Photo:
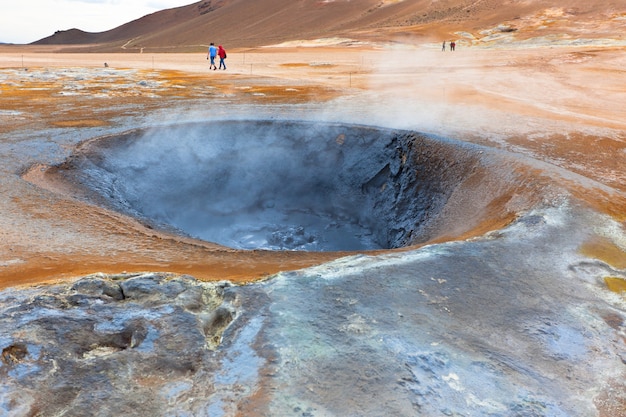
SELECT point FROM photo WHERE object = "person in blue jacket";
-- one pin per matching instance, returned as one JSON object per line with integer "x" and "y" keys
{"x": 211, "y": 55}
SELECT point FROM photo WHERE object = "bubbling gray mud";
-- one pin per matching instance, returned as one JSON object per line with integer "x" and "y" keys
{"x": 279, "y": 185}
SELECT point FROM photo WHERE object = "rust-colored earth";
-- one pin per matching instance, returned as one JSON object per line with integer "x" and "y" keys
{"x": 558, "y": 104}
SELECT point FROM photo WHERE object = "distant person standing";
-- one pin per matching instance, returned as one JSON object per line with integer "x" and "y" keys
{"x": 211, "y": 55}
{"x": 222, "y": 54}
{"x": 452, "y": 45}
{"x": 443, "y": 47}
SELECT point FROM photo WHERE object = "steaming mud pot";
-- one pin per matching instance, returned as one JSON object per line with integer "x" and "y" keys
{"x": 298, "y": 185}
{"x": 483, "y": 303}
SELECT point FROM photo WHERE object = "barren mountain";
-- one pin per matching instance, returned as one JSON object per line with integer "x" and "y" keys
{"x": 253, "y": 23}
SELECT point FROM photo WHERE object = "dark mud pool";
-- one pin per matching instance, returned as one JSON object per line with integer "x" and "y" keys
{"x": 292, "y": 185}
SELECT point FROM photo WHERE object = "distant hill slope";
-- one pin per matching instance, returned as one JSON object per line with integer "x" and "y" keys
{"x": 253, "y": 23}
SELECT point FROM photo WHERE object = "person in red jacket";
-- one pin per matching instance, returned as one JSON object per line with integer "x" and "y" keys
{"x": 222, "y": 54}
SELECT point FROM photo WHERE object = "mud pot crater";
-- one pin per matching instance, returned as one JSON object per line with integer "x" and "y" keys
{"x": 289, "y": 185}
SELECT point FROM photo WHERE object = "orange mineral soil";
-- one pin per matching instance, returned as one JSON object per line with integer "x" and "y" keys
{"x": 558, "y": 104}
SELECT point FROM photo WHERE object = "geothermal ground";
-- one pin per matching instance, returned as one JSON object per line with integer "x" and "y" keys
{"x": 317, "y": 231}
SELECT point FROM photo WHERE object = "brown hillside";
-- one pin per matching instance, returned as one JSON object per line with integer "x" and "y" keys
{"x": 253, "y": 23}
